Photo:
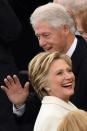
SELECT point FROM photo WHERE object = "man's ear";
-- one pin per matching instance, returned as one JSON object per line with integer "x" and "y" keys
{"x": 66, "y": 29}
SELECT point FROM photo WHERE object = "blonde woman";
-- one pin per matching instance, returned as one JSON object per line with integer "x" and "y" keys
{"x": 52, "y": 78}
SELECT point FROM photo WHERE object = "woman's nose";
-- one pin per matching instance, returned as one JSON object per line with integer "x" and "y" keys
{"x": 68, "y": 75}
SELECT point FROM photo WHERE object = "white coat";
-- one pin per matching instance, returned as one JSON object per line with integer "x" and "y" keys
{"x": 51, "y": 113}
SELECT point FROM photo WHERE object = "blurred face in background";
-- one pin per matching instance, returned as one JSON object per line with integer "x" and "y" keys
{"x": 80, "y": 27}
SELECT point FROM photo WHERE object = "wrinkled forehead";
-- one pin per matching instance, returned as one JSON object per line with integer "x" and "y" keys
{"x": 43, "y": 26}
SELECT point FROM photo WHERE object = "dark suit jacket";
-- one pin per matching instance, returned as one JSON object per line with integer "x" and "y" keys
{"x": 26, "y": 122}
{"x": 10, "y": 29}
{"x": 79, "y": 60}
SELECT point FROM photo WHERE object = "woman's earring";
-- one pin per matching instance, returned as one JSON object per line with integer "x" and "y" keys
{"x": 48, "y": 89}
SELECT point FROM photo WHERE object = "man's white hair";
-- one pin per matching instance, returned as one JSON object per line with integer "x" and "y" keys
{"x": 54, "y": 14}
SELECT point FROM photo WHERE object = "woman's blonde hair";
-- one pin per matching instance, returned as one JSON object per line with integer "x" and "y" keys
{"x": 38, "y": 69}
{"x": 74, "y": 121}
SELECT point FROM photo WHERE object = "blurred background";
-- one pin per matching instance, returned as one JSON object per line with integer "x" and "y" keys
{"x": 27, "y": 44}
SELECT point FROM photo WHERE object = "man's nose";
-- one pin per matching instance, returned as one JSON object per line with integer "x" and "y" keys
{"x": 42, "y": 42}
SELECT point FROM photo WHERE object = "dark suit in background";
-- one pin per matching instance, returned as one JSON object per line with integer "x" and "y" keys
{"x": 28, "y": 42}
{"x": 10, "y": 29}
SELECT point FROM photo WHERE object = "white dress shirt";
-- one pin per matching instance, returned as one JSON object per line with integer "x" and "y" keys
{"x": 72, "y": 48}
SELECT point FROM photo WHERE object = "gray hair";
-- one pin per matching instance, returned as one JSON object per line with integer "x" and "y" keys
{"x": 54, "y": 14}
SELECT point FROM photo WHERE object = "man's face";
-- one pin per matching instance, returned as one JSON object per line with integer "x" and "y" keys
{"x": 50, "y": 39}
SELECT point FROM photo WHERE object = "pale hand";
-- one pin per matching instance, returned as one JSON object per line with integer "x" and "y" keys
{"x": 14, "y": 90}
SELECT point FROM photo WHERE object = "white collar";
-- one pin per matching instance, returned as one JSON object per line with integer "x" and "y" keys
{"x": 57, "y": 101}
{"x": 72, "y": 48}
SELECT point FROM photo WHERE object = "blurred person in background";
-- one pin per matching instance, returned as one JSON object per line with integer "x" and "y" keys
{"x": 74, "y": 121}
{"x": 77, "y": 9}
{"x": 71, "y": 5}
{"x": 80, "y": 17}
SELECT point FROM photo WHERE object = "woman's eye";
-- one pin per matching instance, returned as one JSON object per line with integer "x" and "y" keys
{"x": 69, "y": 70}
{"x": 59, "y": 73}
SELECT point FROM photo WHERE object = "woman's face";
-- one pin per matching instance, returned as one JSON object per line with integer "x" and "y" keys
{"x": 60, "y": 80}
